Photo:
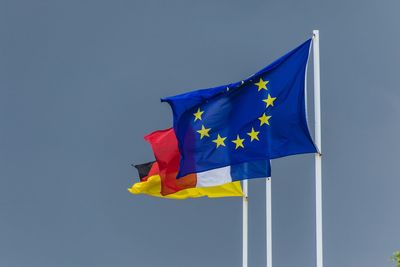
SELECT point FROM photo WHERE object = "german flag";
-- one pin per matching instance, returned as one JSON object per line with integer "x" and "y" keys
{"x": 150, "y": 184}
{"x": 158, "y": 178}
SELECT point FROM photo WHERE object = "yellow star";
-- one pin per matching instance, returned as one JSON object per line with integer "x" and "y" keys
{"x": 238, "y": 142}
{"x": 253, "y": 135}
{"x": 219, "y": 141}
{"x": 269, "y": 101}
{"x": 204, "y": 132}
{"x": 197, "y": 115}
{"x": 264, "y": 119}
{"x": 262, "y": 84}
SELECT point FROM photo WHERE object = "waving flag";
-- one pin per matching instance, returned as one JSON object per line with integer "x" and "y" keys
{"x": 218, "y": 182}
{"x": 260, "y": 118}
{"x": 150, "y": 184}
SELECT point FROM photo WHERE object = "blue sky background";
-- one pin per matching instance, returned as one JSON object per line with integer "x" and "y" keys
{"x": 80, "y": 83}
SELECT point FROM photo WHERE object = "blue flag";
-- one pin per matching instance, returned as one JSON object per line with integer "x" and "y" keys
{"x": 260, "y": 118}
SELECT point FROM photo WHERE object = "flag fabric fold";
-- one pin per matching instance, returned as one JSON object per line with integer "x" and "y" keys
{"x": 260, "y": 118}
{"x": 150, "y": 184}
{"x": 218, "y": 182}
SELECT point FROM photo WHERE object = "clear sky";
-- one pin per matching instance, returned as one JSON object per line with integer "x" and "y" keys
{"x": 80, "y": 83}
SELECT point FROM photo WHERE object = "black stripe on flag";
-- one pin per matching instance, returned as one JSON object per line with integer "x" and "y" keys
{"x": 144, "y": 169}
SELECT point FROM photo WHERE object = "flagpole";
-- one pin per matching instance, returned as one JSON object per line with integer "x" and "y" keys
{"x": 318, "y": 156}
{"x": 245, "y": 224}
{"x": 268, "y": 213}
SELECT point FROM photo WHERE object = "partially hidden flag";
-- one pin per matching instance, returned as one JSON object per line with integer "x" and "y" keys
{"x": 150, "y": 184}
{"x": 219, "y": 182}
{"x": 260, "y": 118}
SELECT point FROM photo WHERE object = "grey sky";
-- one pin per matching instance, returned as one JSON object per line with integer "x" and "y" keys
{"x": 80, "y": 83}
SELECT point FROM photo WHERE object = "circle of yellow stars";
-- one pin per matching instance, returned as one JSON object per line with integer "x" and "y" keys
{"x": 253, "y": 134}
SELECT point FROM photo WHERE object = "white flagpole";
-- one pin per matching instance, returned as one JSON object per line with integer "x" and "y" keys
{"x": 268, "y": 207}
{"x": 318, "y": 158}
{"x": 245, "y": 224}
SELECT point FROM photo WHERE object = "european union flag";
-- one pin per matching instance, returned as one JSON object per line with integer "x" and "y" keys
{"x": 260, "y": 118}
